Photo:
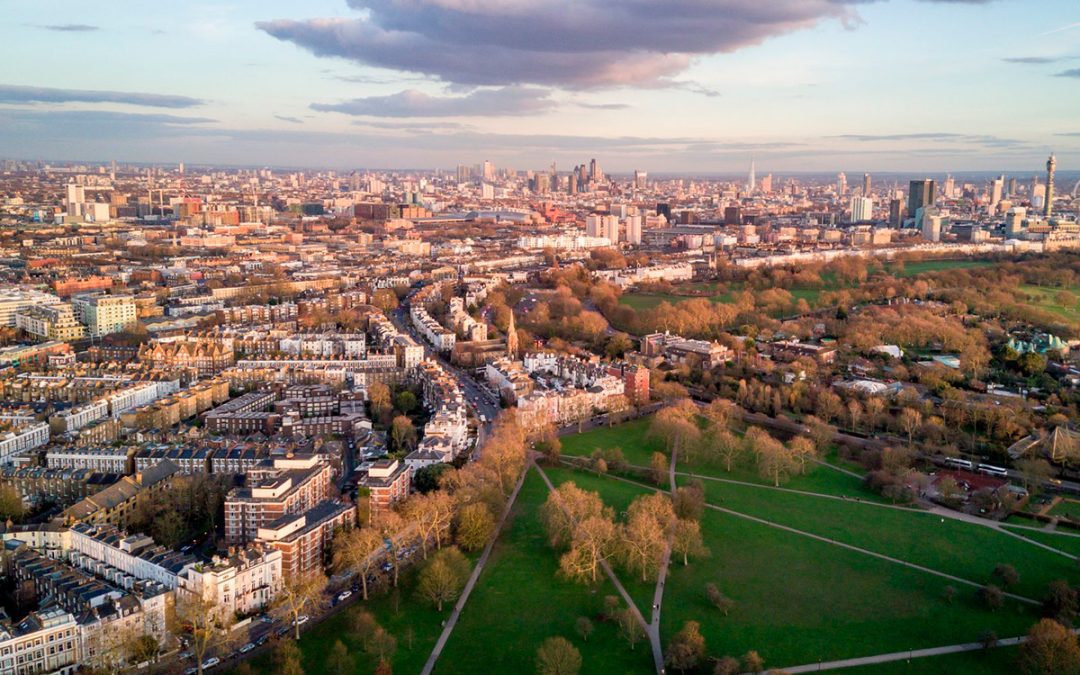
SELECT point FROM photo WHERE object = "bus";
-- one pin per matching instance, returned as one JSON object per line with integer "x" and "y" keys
{"x": 959, "y": 463}
{"x": 995, "y": 471}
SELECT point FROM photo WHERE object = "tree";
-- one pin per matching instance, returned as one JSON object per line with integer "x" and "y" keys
{"x": 558, "y": 657}
{"x": 299, "y": 594}
{"x": 475, "y": 526}
{"x": 405, "y": 401}
{"x": 379, "y": 396}
{"x": 687, "y": 649}
{"x": 718, "y": 599}
{"x": 910, "y": 421}
{"x": 382, "y": 645}
{"x": 427, "y": 478}
{"x": 354, "y": 551}
{"x": 442, "y": 579}
{"x": 385, "y": 299}
{"x": 752, "y": 662}
{"x": 1034, "y": 472}
{"x": 340, "y": 661}
{"x": 432, "y": 515}
{"x": 820, "y": 432}
{"x": 1061, "y": 602}
{"x": 1006, "y": 575}
{"x": 802, "y": 450}
{"x": 992, "y": 597}
{"x": 630, "y": 628}
{"x": 403, "y": 434}
{"x": 1050, "y": 648}
{"x": 642, "y": 539}
{"x": 988, "y": 639}
{"x": 686, "y": 540}
{"x": 389, "y": 525}
{"x": 676, "y": 426}
{"x": 207, "y": 625}
{"x": 583, "y": 627}
{"x": 726, "y": 445}
{"x": 774, "y": 461}
{"x": 728, "y": 665}
{"x": 11, "y": 504}
{"x": 689, "y": 500}
{"x": 949, "y": 593}
{"x": 565, "y": 508}
{"x": 286, "y": 658}
{"x": 658, "y": 468}
{"x": 591, "y": 546}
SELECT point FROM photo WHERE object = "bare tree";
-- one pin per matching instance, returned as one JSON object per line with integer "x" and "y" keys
{"x": 300, "y": 593}
{"x": 355, "y": 551}
{"x": 206, "y": 625}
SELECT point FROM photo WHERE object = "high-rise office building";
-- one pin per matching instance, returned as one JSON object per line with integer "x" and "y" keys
{"x": 920, "y": 195}
{"x": 997, "y": 187}
{"x": 1011, "y": 192}
{"x": 766, "y": 184}
{"x": 841, "y": 184}
{"x": 641, "y": 179}
{"x": 1048, "y": 206}
{"x": 488, "y": 171}
{"x": 862, "y": 209}
{"x": 751, "y": 181}
{"x": 896, "y": 212}
{"x": 866, "y": 185}
{"x": 950, "y": 187}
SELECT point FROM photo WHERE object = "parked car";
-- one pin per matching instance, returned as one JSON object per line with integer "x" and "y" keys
{"x": 344, "y": 595}
{"x": 302, "y": 619}
{"x": 210, "y": 662}
{"x": 247, "y": 648}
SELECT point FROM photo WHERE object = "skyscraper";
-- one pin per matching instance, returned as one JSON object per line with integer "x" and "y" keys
{"x": 1048, "y": 207}
{"x": 1011, "y": 192}
{"x": 920, "y": 195}
{"x": 641, "y": 179}
{"x": 896, "y": 213}
{"x": 751, "y": 181}
{"x": 866, "y": 185}
{"x": 766, "y": 183}
{"x": 950, "y": 187}
{"x": 841, "y": 184}
{"x": 997, "y": 186}
{"x": 862, "y": 209}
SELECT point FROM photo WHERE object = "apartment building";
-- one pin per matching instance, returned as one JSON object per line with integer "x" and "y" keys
{"x": 275, "y": 488}
{"x": 305, "y": 539}
{"x": 105, "y": 314}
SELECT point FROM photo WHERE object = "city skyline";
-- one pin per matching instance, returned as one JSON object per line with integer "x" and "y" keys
{"x": 365, "y": 84}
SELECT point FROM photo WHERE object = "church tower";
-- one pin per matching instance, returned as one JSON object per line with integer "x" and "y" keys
{"x": 512, "y": 337}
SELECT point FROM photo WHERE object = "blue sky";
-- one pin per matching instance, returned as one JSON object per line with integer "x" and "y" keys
{"x": 663, "y": 85}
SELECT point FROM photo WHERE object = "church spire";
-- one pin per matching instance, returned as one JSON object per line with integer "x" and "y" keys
{"x": 512, "y": 337}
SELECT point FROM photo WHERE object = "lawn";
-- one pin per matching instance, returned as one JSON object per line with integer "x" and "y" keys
{"x": 951, "y": 546}
{"x": 629, "y": 437}
{"x": 1046, "y": 298}
{"x": 404, "y": 617}
{"x": 800, "y": 601}
{"x": 646, "y": 300}
{"x": 1066, "y": 508}
{"x": 519, "y": 602}
{"x": 1060, "y": 541}
{"x": 914, "y": 267}
{"x": 999, "y": 661}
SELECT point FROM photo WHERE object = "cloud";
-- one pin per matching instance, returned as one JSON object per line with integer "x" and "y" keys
{"x": 479, "y": 103}
{"x": 944, "y": 137}
{"x": 70, "y": 28}
{"x": 564, "y": 43}
{"x": 1031, "y": 60}
{"x": 1072, "y": 72}
{"x": 10, "y": 93}
{"x": 412, "y": 126}
{"x": 286, "y": 118}
{"x": 603, "y": 106}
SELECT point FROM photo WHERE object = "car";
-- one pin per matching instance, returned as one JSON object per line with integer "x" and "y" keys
{"x": 263, "y": 639}
{"x": 283, "y": 631}
{"x": 266, "y": 618}
{"x": 247, "y": 648}
{"x": 210, "y": 662}
{"x": 302, "y": 619}
{"x": 343, "y": 595}
{"x": 185, "y": 656}
{"x": 191, "y": 671}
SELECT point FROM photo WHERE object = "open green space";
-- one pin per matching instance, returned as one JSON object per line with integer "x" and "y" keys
{"x": 1065, "y": 302}
{"x": 630, "y": 437}
{"x": 966, "y": 550}
{"x": 412, "y": 621}
{"x": 1066, "y": 508}
{"x": 997, "y": 661}
{"x": 520, "y": 601}
{"x": 800, "y": 600}
{"x": 914, "y": 267}
{"x": 1059, "y": 540}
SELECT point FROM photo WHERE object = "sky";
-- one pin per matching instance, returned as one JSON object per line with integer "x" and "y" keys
{"x": 666, "y": 86}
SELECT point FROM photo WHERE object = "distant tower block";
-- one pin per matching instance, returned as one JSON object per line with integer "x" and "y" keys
{"x": 751, "y": 181}
{"x": 1051, "y": 165}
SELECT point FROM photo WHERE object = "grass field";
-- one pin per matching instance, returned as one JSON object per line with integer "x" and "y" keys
{"x": 1000, "y": 661}
{"x": 1060, "y": 541}
{"x": 1046, "y": 298}
{"x": 645, "y": 300}
{"x": 629, "y": 437}
{"x": 407, "y": 616}
{"x": 1066, "y": 508}
{"x": 519, "y": 602}
{"x": 912, "y": 268}
{"x": 801, "y": 601}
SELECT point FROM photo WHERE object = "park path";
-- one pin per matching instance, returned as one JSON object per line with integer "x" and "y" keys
{"x": 665, "y": 564}
{"x": 934, "y": 509}
{"x": 448, "y": 627}
{"x": 906, "y": 655}
{"x": 654, "y": 637}
{"x": 850, "y": 547}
